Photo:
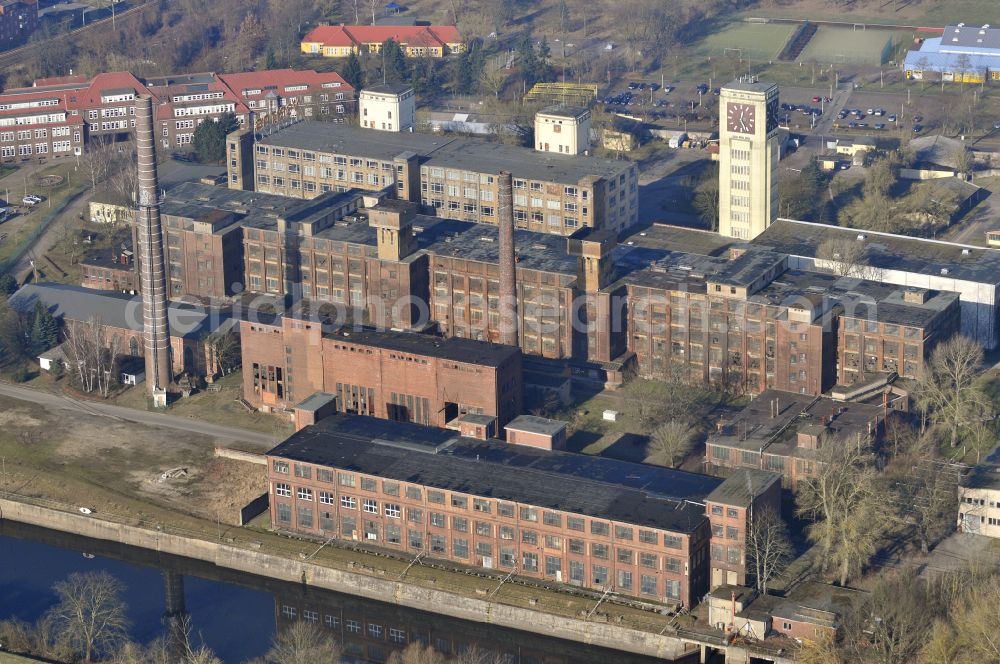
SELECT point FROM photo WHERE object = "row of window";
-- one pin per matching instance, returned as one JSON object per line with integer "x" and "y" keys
{"x": 458, "y": 501}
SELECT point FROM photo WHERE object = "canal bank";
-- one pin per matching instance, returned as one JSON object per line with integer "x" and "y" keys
{"x": 389, "y": 590}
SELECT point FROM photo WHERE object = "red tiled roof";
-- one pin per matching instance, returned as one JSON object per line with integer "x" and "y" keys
{"x": 330, "y": 35}
{"x": 60, "y": 80}
{"x": 280, "y": 79}
{"x": 414, "y": 35}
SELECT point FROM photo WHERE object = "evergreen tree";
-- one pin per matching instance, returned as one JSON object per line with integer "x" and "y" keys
{"x": 210, "y": 138}
{"x": 528, "y": 60}
{"x": 352, "y": 72}
{"x": 468, "y": 67}
{"x": 563, "y": 14}
{"x": 394, "y": 67}
{"x": 44, "y": 329}
{"x": 270, "y": 61}
{"x": 8, "y": 285}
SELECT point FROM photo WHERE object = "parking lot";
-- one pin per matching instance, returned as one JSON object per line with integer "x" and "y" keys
{"x": 691, "y": 102}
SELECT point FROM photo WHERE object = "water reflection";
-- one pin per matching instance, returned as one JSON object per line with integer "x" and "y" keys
{"x": 236, "y": 614}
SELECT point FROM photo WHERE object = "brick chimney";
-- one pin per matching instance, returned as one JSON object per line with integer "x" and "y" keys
{"x": 509, "y": 319}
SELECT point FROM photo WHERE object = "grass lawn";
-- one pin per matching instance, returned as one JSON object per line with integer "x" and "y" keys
{"x": 216, "y": 407}
{"x": 757, "y": 40}
{"x": 933, "y": 14}
{"x": 847, "y": 45}
{"x": 22, "y": 228}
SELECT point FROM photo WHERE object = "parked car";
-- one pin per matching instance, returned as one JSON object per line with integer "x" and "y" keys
{"x": 918, "y": 118}
{"x": 842, "y": 115}
{"x": 862, "y": 125}
{"x": 633, "y": 86}
{"x": 870, "y": 111}
{"x": 31, "y": 199}
{"x": 917, "y": 128}
{"x": 996, "y": 125}
{"x": 891, "y": 118}
{"x": 668, "y": 89}
{"x": 879, "y": 125}
{"x": 702, "y": 88}
{"x": 654, "y": 86}
{"x": 879, "y": 112}
{"x": 827, "y": 100}
{"x": 817, "y": 100}
{"x": 852, "y": 125}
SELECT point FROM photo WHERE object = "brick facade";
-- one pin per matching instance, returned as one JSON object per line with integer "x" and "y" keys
{"x": 397, "y": 376}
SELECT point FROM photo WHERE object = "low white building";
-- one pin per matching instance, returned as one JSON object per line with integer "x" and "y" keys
{"x": 979, "y": 498}
{"x": 388, "y": 108}
{"x": 563, "y": 130}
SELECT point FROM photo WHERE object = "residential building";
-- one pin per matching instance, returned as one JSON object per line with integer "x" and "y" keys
{"x": 18, "y": 20}
{"x": 401, "y": 376}
{"x": 563, "y": 129}
{"x": 553, "y": 193}
{"x": 748, "y": 158}
{"x": 979, "y": 498}
{"x": 388, "y": 108}
{"x": 972, "y": 272}
{"x": 121, "y": 315}
{"x": 637, "y": 530}
{"x": 962, "y": 54}
{"x": 338, "y": 41}
{"x": 55, "y": 117}
{"x": 782, "y": 432}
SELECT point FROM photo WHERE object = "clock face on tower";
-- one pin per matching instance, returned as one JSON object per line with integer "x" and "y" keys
{"x": 741, "y": 118}
{"x": 772, "y": 115}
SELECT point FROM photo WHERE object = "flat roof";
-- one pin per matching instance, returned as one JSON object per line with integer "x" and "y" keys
{"x": 481, "y": 243}
{"x": 757, "y": 428}
{"x": 536, "y": 424}
{"x": 564, "y": 111}
{"x": 679, "y": 238}
{"x": 749, "y": 86}
{"x": 315, "y": 401}
{"x": 888, "y": 251}
{"x": 444, "y": 151}
{"x": 742, "y": 486}
{"x": 597, "y": 487}
{"x": 388, "y": 89}
{"x": 457, "y": 349}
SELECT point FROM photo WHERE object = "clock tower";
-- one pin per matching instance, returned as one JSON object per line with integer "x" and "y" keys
{"x": 748, "y": 158}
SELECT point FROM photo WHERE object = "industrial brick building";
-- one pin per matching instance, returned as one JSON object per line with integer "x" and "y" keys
{"x": 781, "y": 432}
{"x": 18, "y": 19}
{"x": 730, "y": 508}
{"x": 553, "y": 193}
{"x": 749, "y": 323}
{"x": 121, "y": 315}
{"x": 401, "y": 376}
{"x": 592, "y": 522}
{"x": 56, "y": 117}
{"x": 935, "y": 265}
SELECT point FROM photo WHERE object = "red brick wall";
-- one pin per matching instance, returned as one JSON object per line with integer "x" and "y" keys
{"x": 686, "y": 559}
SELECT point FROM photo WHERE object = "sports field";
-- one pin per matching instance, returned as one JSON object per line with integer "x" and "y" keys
{"x": 835, "y": 45}
{"x": 755, "y": 40}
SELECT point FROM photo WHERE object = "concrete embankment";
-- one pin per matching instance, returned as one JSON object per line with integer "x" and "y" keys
{"x": 225, "y": 555}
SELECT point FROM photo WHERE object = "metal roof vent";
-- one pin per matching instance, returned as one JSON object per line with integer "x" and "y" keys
{"x": 944, "y": 270}
{"x": 966, "y": 252}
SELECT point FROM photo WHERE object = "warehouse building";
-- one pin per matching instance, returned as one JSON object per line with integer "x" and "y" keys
{"x": 591, "y": 522}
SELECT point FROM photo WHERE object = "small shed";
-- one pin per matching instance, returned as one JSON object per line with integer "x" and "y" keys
{"x": 52, "y": 357}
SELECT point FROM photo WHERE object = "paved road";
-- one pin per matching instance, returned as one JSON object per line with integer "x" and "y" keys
{"x": 262, "y": 440}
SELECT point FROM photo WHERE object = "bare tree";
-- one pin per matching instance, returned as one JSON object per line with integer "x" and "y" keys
{"x": 303, "y": 643}
{"x": 891, "y": 625}
{"x": 374, "y": 5}
{"x": 476, "y": 655}
{"x": 848, "y": 505}
{"x": 931, "y": 493}
{"x": 493, "y": 76}
{"x": 92, "y": 355}
{"x": 416, "y": 653}
{"x": 224, "y": 352}
{"x": 947, "y": 387}
{"x": 768, "y": 548}
{"x": 846, "y": 258}
{"x": 92, "y": 613}
{"x": 668, "y": 443}
{"x": 962, "y": 160}
{"x": 97, "y": 160}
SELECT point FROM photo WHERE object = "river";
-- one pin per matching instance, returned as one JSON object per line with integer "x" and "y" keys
{"x": 236, "y": 614}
